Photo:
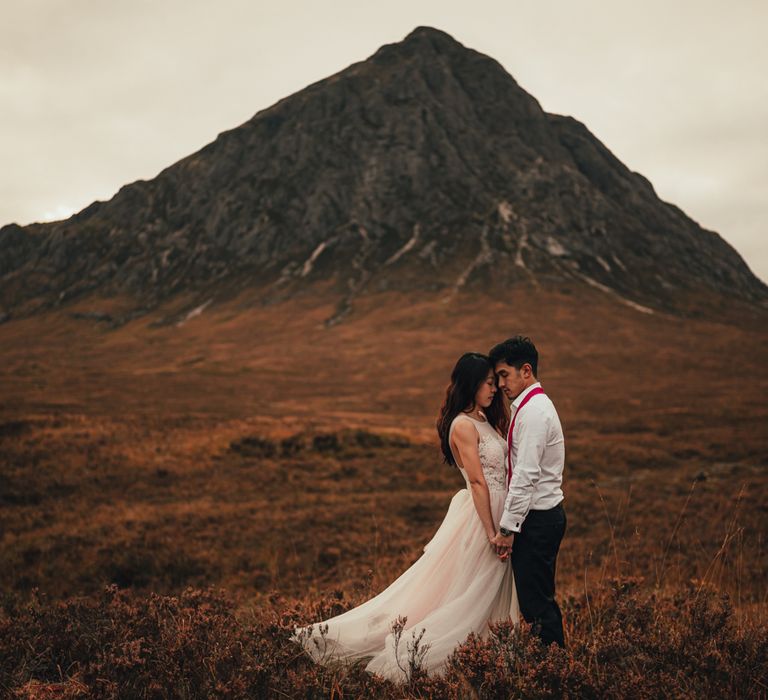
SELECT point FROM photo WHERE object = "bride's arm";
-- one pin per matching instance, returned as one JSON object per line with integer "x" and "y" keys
{"x": 465, "y": 439}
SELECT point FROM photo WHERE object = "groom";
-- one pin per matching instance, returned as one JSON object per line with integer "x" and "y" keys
{"x": 533, "y": 522}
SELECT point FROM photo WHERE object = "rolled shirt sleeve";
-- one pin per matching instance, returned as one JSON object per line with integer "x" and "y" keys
{"x": 531, "y": 430}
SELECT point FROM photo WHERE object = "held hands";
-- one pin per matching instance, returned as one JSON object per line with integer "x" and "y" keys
{"x": 502, "y": 544}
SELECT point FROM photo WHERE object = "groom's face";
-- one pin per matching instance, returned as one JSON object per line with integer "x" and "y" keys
{"x": 511, "y": 380}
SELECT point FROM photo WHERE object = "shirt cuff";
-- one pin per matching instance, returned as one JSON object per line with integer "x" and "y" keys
{"x": 511, "y": 522}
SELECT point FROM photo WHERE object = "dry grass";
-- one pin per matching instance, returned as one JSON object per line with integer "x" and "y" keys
{"x": 158, "y": 458}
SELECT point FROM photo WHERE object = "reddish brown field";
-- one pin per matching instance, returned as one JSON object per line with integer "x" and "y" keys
{"x": 255, "y": 449}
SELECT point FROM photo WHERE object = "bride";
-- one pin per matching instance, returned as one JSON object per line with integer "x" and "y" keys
{"x": 462, "y": 581}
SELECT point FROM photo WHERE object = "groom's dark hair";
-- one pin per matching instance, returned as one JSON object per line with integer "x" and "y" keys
{"x": 516, "y": 352}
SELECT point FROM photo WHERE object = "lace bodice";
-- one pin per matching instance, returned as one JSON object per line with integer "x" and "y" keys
{"x": 492, "y": 449}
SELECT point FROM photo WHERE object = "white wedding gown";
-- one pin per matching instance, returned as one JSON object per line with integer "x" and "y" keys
{"x": 457, "y": 586}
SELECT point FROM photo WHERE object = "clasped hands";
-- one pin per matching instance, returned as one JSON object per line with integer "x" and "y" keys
{"x": 503, "y": 545}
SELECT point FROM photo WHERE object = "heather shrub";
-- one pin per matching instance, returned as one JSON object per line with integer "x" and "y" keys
{"x": 512, "y": 663}
{"x": 118, "y": 644}
{"x": 622, "y": 643}
{"x": 688, "y": 645}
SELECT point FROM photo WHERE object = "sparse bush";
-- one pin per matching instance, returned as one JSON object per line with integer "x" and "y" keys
{"x": 326, "y": 442}
{"x": 292, "y": 445}
{"x": 365, "y": 439}
{"x": 254, "y": 446}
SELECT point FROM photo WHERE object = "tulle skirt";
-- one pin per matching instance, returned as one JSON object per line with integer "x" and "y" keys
{"x": 457, "y": 586}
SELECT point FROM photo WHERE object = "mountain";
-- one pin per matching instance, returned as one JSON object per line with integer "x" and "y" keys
{"x": 425, "y": 168}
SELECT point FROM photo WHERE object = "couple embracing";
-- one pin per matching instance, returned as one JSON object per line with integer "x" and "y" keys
{"x": 510, "y": 511}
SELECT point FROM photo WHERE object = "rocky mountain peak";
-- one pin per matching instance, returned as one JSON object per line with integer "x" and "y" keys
{"x": 425, "y": 167}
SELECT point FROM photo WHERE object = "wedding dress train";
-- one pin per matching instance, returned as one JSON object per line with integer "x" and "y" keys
{"x": 457, "y": 586}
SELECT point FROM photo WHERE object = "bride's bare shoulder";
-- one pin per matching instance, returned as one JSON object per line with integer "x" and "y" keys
{"x": 464, "y": 429}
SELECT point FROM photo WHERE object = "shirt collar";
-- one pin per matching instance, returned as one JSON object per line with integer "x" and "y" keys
{"x": 524, "y": 393}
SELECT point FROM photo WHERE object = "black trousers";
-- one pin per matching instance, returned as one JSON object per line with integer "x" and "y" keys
{"x": 534, "y": 559}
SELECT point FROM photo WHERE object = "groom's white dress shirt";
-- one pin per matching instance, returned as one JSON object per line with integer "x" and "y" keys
{"x": 538, "y": 458}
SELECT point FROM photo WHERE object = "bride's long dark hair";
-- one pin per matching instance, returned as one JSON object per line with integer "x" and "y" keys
{"x": 469, "y": 373}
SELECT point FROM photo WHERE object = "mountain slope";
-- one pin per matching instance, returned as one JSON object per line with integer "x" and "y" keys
{"x": 425, "y": 167}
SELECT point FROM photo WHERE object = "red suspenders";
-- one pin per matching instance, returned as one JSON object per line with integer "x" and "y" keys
{"x": 538, "y": 390}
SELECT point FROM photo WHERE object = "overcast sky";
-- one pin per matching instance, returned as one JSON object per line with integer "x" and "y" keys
{"x": 95, "y": 94}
